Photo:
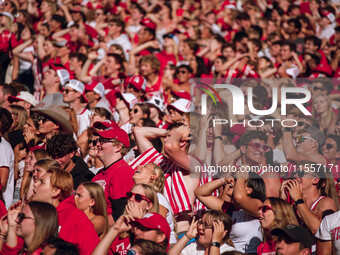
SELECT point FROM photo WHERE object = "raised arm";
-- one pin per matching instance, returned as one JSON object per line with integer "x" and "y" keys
{"x": 204, "y": 194}
{"x": 143, "y": 135}
{"x": 241, "y": 198}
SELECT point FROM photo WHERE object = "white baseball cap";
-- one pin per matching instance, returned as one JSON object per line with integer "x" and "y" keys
{"x": 182, "y": 105}
{"x": 129, "y": 98}
{"x": 76, "y": 85}
{"x": 156, "y": 102}
{"x": 23, "y": 96}
{"x": 62, "y": 73}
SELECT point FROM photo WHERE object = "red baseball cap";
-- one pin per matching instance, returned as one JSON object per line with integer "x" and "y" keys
{"x": 105, "y": 124}
{"x": 148, "y": 23}
{"x": 96, "y": 87}
{"x": 115, "y": 133}
{"x": 155, "y": 221}
{"x": 138, "y": 81}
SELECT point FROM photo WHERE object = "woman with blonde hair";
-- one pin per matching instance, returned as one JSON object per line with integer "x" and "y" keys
{"x": 90, "y": 199}
{"x": 142, "y": 199}
{"x": 20, "y": 116}
{"x": 35, "y": 224}
{"x": 151, "y": 174}
{"x": 274, "y": 213}
{"x": 322, "y": 111}
{"x": 73, "y": 118}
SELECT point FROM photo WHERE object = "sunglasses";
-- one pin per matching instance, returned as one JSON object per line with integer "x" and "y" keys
{"x": 315, "y": 88}
{"x": 21, "y": 217}
{"x": 301, "y": 124}
{"x": 265, "y": 208}
{"x": 43, "y": 118}
{"x": 138, "y": 197}
{"x": 328, "y": 146}
{"x": 257, "y": 146}
{"x": 100, "y": 140}
{"x": 68, "y": 91}
{"x": 302, "y": 138}
{"x": 182, "y": 72}
{"x": 135, "y": 111}
{"x": 129, "y": 86}
{"x": 131, "y": 252}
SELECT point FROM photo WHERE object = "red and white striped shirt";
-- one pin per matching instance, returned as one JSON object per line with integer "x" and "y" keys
{"x": 174, "y": 190}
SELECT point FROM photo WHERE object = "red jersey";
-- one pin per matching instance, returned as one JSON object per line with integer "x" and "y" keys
{"x": 116, "y": 180}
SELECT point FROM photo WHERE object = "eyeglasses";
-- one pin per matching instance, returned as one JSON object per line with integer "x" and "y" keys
{"x": 21, "y": 217}
{"x": 138, "y": 197}
{"x": 131, "y": 252}
{"x": 43, "y": 118}
{"x": 328, "y": 146}
{"x": 204, "y": 225}
{"x": 68, "y": 91}
{"x": 302, "y": 138}
{"x": 100, "y": 140}
{"x": 257, "y": 146}
{"x": 265, "y": 208}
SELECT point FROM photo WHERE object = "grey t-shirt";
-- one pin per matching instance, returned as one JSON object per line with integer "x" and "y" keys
{"x": 52, "y": 99}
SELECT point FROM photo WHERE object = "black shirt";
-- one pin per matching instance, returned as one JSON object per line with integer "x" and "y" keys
{"x": 80, "y": 172}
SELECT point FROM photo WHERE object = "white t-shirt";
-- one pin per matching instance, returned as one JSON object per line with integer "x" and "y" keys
{"x": 246, "y": 232}
{"x": 329, "y": 230}
{"x": 7, "y": 160}
{"x": 169, "y": 216}
{"x": 123, "y": 40}
{"x": 279, "y": 156}
{"x": 83, "y": 120}
{"x": 23, "y": 64}
{"x": 198, "y": 249}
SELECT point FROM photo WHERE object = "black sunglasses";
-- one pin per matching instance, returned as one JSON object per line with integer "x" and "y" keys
{"x": 100, "y": 140}
{"x": 300, "y": 123}
{"x": 68, "y": 90}
{"x": 265, "y": 208}
{"x": 135, "y": 111}
{"x": 43, "y": 118}
{"x": 328, "y": 146}
{"x": 21, "y": 217}
{"x": 315, "y": 88}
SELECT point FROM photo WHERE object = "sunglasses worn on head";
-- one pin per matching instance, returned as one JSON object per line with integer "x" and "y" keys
{"x": 265, "y": 208}
{"x": 138, "y": 197}
{"x": 302, "y": 138}
{"x": 257, "y": 146}
{"x": 21, "y": 217}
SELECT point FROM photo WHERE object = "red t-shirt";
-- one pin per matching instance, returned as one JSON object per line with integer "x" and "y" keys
{"x": 267, "y": 248}
{"x": 116, "y": 180}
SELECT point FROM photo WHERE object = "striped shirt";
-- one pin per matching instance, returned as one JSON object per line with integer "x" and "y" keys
{"x": 174, "y": 190}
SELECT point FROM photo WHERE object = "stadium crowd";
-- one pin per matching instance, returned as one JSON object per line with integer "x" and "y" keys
{"x": 101, "y": 129}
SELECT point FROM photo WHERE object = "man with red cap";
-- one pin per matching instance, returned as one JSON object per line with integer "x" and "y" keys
{"x": 136, "y": 85}
{"x": 116, "y": 176}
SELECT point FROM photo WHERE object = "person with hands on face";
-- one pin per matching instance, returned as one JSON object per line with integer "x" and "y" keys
{"x": 213, "y": 232}
{"x": 307, "y": 191}
{"x": 29, "y": 228}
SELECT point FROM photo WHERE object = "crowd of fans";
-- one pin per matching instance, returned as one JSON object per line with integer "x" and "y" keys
{"x": 101, "y": 131}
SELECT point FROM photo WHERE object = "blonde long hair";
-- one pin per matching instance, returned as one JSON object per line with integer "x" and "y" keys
{"x": 284, "y": 215}
{"x": 97, "y": 193}
{"x": 330, "y": 114}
